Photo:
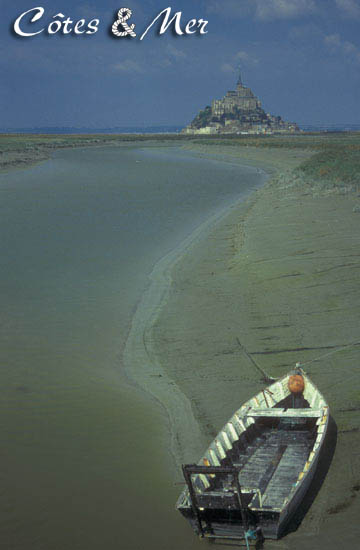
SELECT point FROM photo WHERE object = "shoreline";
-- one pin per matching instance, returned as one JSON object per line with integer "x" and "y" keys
{"x": 22, "y": 151}
{"x": 141, "y": 348}
{"x": 279, "y": 272}
{"x": 142, "y": 366}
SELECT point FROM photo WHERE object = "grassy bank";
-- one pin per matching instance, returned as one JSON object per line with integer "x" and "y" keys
{"x": 311, "y": 141}
{"x": 334, "y": 167}
{"x": 335, "y": 158}
{"x": 317, "y": 160}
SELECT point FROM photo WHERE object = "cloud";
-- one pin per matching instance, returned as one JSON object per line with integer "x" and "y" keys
{"x": 128, "y": 66}
{"x": 344, "y": 47}
{"x": 283, "y": 9}
{"x": 229, "y": 7}
{"x": 163, "y": 63}
{"x": 227, "y": 68}
{"x": 175, "y": 52}
{"x": 240, "y": 59}
{"x": 263, "y": 9}
{"x": 153, "y": 61}
{"x": 246, "y": 58}
{"x": 349, "y": 8}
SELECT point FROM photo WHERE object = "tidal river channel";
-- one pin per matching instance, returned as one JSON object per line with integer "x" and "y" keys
{"x": 84, "y": 454}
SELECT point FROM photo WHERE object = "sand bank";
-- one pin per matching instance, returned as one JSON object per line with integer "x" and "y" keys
{"x": 280, "y": 274}
{"x": 143, "y": 364}
{"x": 270, "y": 159}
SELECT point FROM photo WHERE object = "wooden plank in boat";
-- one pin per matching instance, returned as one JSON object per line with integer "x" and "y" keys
{"x": 286, "y": 413}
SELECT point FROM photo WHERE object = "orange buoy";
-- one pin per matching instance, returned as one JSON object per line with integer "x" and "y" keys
{"x": 296, "y": 383}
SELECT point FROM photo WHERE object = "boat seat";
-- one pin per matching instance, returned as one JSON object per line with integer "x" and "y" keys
{"x": 285, "y": 476}
{"x": 286, "y": 413}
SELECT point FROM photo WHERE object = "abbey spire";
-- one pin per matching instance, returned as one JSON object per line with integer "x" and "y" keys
{"x": 239, "y": 82}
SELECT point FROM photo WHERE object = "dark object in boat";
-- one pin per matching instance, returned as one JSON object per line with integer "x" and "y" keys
{"x": 258, "y": 468}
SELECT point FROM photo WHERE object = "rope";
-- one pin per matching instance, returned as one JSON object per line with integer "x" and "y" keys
{"x": 124, "y": 14}
{"x": 267, "y": 378}
{"x": 328, "y": 354}
{"x": 265, "y": 375}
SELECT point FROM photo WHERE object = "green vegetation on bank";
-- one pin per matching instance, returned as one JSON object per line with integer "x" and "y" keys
{"x": 335, "y": 162}
{"x": 339, "y": 166}
{"x": 308, "y": 141}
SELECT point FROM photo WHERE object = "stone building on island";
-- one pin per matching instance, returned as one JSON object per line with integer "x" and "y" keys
{"x": 239, "y": 112}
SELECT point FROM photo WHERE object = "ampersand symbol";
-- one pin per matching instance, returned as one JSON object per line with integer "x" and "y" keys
{"x": 124, "y": 14}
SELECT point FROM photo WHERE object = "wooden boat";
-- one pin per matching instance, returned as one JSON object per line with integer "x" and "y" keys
{"x": 258, "y": 468}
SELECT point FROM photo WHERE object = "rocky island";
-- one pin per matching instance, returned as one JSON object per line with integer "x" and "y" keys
{"x": 239, "y": 112}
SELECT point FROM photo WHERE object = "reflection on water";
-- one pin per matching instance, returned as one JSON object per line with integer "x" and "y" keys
{"x": 84, "y": 455}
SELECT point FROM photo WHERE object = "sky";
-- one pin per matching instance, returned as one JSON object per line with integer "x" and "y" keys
{"x": 300, "y": 57}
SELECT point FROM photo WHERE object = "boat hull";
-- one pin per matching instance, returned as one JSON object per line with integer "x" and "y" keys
{"x": 257, "y": 470}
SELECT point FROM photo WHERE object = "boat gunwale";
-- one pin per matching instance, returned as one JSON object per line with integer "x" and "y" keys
{"x": 243, "y": 415}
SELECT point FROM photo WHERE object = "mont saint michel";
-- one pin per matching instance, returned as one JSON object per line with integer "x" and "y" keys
{"x": 239, "y": 112}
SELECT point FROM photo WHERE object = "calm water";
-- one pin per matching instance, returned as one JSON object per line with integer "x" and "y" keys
{"x": 84, "y": 455}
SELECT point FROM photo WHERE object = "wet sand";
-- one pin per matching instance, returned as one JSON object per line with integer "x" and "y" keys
{"x": 279, "y": 274}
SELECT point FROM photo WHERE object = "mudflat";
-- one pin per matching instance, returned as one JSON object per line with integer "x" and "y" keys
{"x": 278, "y": 276}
